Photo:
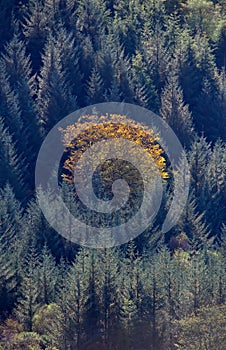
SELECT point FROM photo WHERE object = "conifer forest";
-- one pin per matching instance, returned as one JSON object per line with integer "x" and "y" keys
{"x": 156, "y": 291}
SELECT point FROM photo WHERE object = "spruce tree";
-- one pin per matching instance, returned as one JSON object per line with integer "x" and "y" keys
{"x": 35, "y": 29}
{"x": 95, "y": 88}
{"x": 17, "y": 66}
{"x": 215, "y": 207}
{"x": 54, "y": 97}
{"x": 12, "y": 166}
{"x": 70, "y": 57}
{"x": 92, "y": 20}
{"x": 47, "y": 277}
{"x": 29, "y": 291}
{"x": 10, "y": 236}
{"x": 199, "y": 158}
{"x": 175, "y": 112}
{"x": 109, "y": 260}
{"x": 11, "y": 112}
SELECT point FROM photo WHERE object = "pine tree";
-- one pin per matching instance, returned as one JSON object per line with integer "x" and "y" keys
{"x": 174, "y": 32}
{"x": 29, "y": 291}
{"x": 128, "y": 23}
{"x": 17, "y": 65}
{"x": 12, "y": 167}
{"x": 152, "y": 291}
{"x": 73, "y": 299}
{"x": 11, "y": 112}
{"x": 199, "y": 158}
{"x": 145, "y": 94}
{"x": 93, "y": 305}
{"x": 221, "y": 48}
{"x": 47, "y": 277}
{"x": 6, "y": 15}
{"x": 10, "y": 235}
{"x": 37, "y": 231}
{"x": 105, "y": 62}
{"x": 61, "y": 300}
{"x": 92, "y": 20}
{"x": 95, "y": 88}
{"x": 109, "y": 260}
{"x": 198, "y": 280}
{"x": 54, "y": 99}
{"x": 216, "y": 276}
{"x": 166, "y": 292}
{"x": 35, "y": 29}
{"x": 193, "y": 224}
{"x": 153, "y": 43}
{"x": 131, "y": 274}
{"x": 122, "y": 67}
{"x": 199, "y": 71}
{"x": 215, "y": 206}
{"x": 70, "y": 57}
{"x": 175, "y": 112}
{"x": 204, "y": 17}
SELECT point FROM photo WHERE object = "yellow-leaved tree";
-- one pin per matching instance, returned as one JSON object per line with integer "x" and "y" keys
{"x": 91, "y": 129}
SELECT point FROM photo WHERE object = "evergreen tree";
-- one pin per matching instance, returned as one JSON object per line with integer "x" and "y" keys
{"x": 198, "y": 280}
{"x": 122, "y": 67}
{"x": 35, "y": 29}
{"x": 47, "y": 277}
{"x": 215, "y": 206}
{"x": 10, "y": 235}
{"x": 106, "y": 60}
{"x": 18, "y": 68}
{"x": 193, "y": 224}
{"x": 175, "y": 112}
{"x": 145, "y": 94}
{"x": 70, "y": 57}
{"x": 153, "y": 43}
{"x": 12, "y": 167}
{"x": 54, "y": 98}
{"x": 11, "y": 112}
{"x": 128, "y": 24}
{"x": 29, "y": 291}
{"x": 199, "y": 158}
{"x": 73, "y": 300}
{"x": 199, "y": 72}
{"x": 221, "y": 48}
{"x": 5, "y": 17}
{"x": 92, "y": 21}
{"x": 204, "y": 17}
{"x": 109, "y": 260}
{"x": 95, "y": 88}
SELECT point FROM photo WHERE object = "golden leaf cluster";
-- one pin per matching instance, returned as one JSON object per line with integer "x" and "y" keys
{"x": 90, "y": 129}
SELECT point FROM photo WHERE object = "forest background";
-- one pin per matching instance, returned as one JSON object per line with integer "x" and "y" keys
{"x": 154, "y": 292}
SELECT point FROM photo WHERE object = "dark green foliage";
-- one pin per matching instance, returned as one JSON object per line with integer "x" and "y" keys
{"x": 174, "y": 112}
{"x": 54, "y": 96}
{"x": 11, "y": 166}
{"x": 95, "y": 88}
{"x": 17, "y": 67}
{"x": 29, "y": 291}
{"x": 10, "y": 235}
{"x": 159, "y": 291}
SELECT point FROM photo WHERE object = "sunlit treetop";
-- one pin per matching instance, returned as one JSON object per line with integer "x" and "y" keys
{"x": 90, "y": 129}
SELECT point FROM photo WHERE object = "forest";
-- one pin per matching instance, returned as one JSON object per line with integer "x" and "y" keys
{"x": 155, "y": 292}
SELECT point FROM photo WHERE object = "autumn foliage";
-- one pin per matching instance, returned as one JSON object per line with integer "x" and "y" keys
{"x": 92, "y": 129}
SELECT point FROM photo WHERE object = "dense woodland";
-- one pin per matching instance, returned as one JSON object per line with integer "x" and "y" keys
{"x": 154, "y": 293}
